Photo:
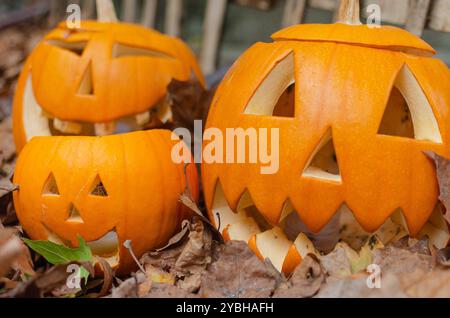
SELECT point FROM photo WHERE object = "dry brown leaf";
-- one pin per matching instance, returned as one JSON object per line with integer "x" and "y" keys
{"x": 397, "y": 260}
{"x": 7, "y": 147}
{"x": 10, "y": 250}
{"x": 306, "y": 281}
{"x": 189, "y": 101}
{"x": 187, "y": 261}
{"x": 443, "y": 174}
{"x": 336, "y": 263}
{"x": 130, "y": 287}
{"x": 237, "y": 273}
{"x": 41, "y": 284}
{"x": 177, "y": 238}
{"x": 187, "y": 201}
{"x": 356, "y": 287}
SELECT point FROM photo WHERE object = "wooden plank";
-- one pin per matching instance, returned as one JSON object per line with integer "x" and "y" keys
{"x": 212, "y": 32}
{"x": 440, "y": 16}
{"x": 329, "y": 5}
{"x": 129, "y": 10}
{"x": 88, "y": 9}
{"x": 417, "y": 16}
{"x": 174, "y": 11}
{"x": 293, "y": 12}
{"x": 57, "y": 12}
{"x": 149, "y": 13}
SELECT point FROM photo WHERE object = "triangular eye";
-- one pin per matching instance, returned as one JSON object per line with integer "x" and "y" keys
{"x": 99, "y": 189}
{"x": 323, "y": 163}
{"x": 74, "y": 215}
{"x": 50, "y": 186}
{"x": 86, "y": 86}
{"x": 408, "y": 113}
{"x": 74, "y": 47}
{"x": 275, "y": 96}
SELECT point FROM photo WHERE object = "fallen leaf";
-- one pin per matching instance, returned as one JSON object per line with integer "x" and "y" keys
{"x": 41, "y": 284}
{"x": 397, "y": 260}
{"x": 58, "y": 254}
{"x": 189, "y": 101}
{"x": 177, "y": 238}
{"x": 187, "y": 261}
{"x": 10, "y": 250}
{"x": 443, "y": 175}
{"x": 130, "y": 287}
{"x": 187, "y": 201}
{"x": 7, "y": 146}
{"x": 336, "y": 263}
{"x": 237, "y": 273}
{"x": 306, "y": 281}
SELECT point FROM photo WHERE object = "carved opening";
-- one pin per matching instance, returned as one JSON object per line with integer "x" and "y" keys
{"x": 74, "y": 47}
{"x": 86, "y": 86}
{"x": 99, "y": 189}
{"x": 275, "y": 96}
{"x": 408, "y": 112}
{"x": 123, "y": 50}
{"x": 323, "y": 163}
{"x": 74, "y": 215}
{"x": 249, "y": 225}
{"x": 50, "y": 186}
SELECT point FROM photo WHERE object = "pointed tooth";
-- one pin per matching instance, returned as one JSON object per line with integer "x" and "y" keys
{"x": 105, "y": 129}
{"x": 143, "y": 119}
{"x": 67, "y": 127}
{"x": 164, "y": 112}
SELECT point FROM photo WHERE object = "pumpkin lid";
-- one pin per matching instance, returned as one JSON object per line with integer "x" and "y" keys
{"x": 385, "y": 37}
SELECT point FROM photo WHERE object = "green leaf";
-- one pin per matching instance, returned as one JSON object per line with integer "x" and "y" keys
{"x": 58, "y": 254}
{"x": 84, "y": 274}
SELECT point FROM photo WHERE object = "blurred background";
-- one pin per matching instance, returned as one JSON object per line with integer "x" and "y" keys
{"x": 217, "y": 30}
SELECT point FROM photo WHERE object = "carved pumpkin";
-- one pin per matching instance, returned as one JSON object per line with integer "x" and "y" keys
{"x": 85, "y": 81}
{"x": 105, "y": 189}
{"x": 356, "y": 108}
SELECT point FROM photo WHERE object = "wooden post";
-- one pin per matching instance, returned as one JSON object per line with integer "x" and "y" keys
{"x": 174, "y": 12}
{"x": 293, "y": 12}
{"x": 149, "y": 14}
{"x": 57, "y": 12}
{"x": 106, "y": 11}
{"x": 349, "y": 12}
{"x": 88, "y": 9}
{"x": 417, "y": 17}
{"x": 129, "y": 10}
{"x": 212, "y": 32}
{"x": 440, "y": 16}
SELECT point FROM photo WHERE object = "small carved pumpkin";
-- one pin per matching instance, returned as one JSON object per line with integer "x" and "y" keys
{"x": 106, "y": 189}
{"x": 356, "y": 108}
{"x": 85, "y": 81}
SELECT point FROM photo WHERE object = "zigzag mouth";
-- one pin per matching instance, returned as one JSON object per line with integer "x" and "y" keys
{"x": 37, "y": 122}
{"x": 290, "y": 240}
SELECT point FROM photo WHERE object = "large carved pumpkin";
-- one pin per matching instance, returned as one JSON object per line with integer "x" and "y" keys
{"x": 356, "y": 108}
{"x": 105, "y": 189}
{"x": 85, "y": 81}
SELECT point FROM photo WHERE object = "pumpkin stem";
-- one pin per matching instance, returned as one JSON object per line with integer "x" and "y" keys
{"x": 349, "y": 12}
{"x": 106, "y": 11}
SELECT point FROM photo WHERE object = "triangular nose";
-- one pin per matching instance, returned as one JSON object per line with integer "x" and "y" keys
{"x": 74, "y": 215}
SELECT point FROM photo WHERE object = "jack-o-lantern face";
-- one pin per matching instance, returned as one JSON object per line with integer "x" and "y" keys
{"x": 356, "y": 108}
{"x": 85, "y": 81}
{"x": 105, "y": 189}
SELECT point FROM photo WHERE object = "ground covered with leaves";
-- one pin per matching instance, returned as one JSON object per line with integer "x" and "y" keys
{"x": 197, "y": 262}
